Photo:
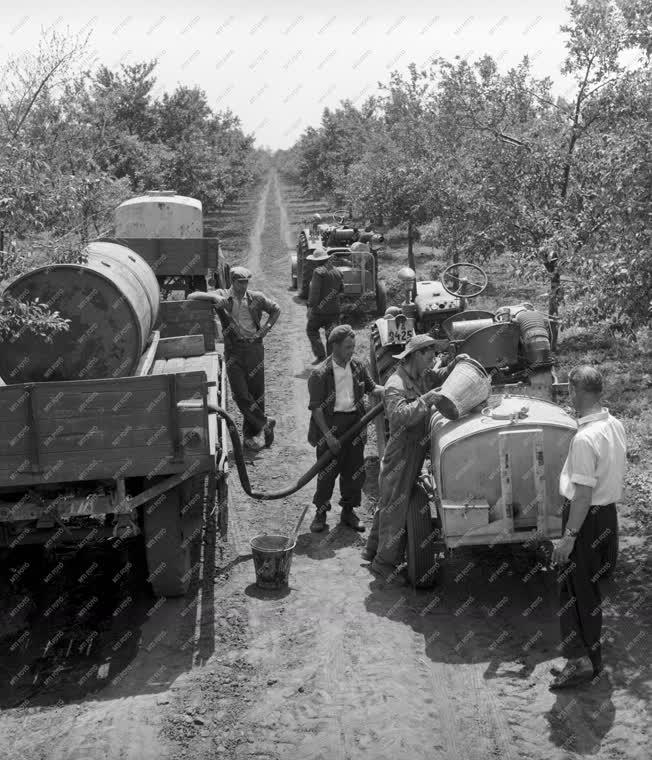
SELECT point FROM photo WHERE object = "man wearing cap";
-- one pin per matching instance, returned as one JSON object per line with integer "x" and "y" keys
{"x": 591, "y": 482}
{"x": 240, "y": 311}
{"x": 409, "y": 397}
{"x": 323, "y": 302}
{"x": 337, "y": 389}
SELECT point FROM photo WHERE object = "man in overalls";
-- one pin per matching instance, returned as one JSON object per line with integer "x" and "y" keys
{"x": 409, "y": 398}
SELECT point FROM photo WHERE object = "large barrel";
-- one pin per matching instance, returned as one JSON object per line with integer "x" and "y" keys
{"x": 461, "y": 329}
{"x": 159, "y": 214}
{"x": 112, "y": 302}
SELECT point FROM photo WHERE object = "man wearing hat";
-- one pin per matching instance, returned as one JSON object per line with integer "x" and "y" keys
{"x": 240, "y": 311}
{"x": 409, "y": 397}
{"x": 323, "y": 302}
{"x": 337, "y": 390}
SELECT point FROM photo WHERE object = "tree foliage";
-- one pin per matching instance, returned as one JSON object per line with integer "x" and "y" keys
{"x": 495, "y": 163}
{"x": 74, "y": 143}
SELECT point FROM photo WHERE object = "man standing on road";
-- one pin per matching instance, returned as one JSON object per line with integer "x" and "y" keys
{"x": 337, "y": 389}
{"x": 409, "y": 397}
{"x": 591, "y": 482}
{"x": 240, "y": 311}
{"x": 323, "y": 303}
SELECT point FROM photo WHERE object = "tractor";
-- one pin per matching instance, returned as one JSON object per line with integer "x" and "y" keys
{"x": 355, "y": 254}
{"x": 514, "y": 349}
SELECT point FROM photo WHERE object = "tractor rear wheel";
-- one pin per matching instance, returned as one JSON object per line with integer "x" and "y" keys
{"x": 423, "y": 565}
{"x": 166, "y": 547}
{"x": 381, "y": 298}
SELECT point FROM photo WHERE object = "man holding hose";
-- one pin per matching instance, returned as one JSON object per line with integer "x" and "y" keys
{"x": 337, "y": 389}
{"x": 409, "y": 397}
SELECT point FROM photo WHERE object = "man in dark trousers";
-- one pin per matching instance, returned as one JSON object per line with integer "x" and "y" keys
{"x": 240, "y": 311}
{"x": 591, "y": 482}
{"x": 337, "y": 390}
{"x": 323, "y": 302}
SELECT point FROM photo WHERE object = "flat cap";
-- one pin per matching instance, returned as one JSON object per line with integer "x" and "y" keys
{"x": 240, "y": 273}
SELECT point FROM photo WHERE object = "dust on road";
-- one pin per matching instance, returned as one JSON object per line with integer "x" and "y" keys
{"x": 338, "y": 666}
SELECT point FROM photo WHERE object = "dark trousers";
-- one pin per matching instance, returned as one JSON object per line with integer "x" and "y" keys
{"x": 348, "y": 464}
{"x": 315, "y": 323}
{"x": 580, "y": 602}
{"x": 245, "y": 368}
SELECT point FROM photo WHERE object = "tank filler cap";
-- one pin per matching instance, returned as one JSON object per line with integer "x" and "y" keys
{"x": 506, "y": 408}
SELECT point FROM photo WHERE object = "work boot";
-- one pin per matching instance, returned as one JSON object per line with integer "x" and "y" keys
{"x": 254, "y": 443}
{"x": 575, "y": 672}
{"x": 389, "y": 573}
{"x": 268, "y": 430}
{"x": 349, "y": 517}
{"x": 367, "y": 554}
{"x": 319, "y": 522}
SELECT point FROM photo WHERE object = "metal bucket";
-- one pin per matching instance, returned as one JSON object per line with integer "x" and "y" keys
{"x": 467, "y": 386}
{"x": 272, "y": 557}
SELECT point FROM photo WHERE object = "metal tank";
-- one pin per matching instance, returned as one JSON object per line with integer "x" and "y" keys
{"x": 112, "y": 302}
{"x": 159, "y": 214}
{"x": 497, "y": 472}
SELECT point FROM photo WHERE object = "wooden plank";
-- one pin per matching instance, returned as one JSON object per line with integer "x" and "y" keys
{"x": 185, "y": 345}
{"x": 17, "y": 474}
{"x": 147, "y": 359}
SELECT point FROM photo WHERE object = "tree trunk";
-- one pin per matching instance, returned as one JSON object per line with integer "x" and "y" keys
{"x": 411, "y": 262}
{"x": 554, "y": 301}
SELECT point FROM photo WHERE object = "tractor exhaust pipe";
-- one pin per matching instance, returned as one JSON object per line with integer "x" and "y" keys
{"x": 307, "y": 476}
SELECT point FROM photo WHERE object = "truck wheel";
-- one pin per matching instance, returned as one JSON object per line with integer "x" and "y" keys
{"x": 167, "y": 551}
{"x": 381, "y": 298}
{"x": 423, "y": 565}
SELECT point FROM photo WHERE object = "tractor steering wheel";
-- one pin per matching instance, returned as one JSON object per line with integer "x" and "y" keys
{"x": 464, "y": 280}
{"x": 340, "y": 216}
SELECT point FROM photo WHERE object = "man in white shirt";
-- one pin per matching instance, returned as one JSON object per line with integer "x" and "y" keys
{"x": 337, "y": 389}
{"x": 591, "y": 482}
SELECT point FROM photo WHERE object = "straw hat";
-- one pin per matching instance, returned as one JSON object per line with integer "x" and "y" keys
{"x": 319, "y": 255}
{"x": 416, "y": 343}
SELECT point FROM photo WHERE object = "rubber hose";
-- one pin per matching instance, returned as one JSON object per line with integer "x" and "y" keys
{"x": 307, "y": 476}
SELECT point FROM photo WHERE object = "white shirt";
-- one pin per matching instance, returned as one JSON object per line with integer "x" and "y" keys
{"x": 242, "y": 315}
{"x": 344, "y": 400}
{"x": 596, "y": 458}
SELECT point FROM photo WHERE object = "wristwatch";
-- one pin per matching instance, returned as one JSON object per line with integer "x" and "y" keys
{"x": 570, "y": 532}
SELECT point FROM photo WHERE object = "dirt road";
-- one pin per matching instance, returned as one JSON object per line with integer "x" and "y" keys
{"x": 338, "y": 666}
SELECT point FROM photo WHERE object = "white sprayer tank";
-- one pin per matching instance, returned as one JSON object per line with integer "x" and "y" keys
{"x": 159, "y": 214}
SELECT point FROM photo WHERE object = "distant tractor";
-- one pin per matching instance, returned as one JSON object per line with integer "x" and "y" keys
{"x": 355, "y": 253}
{"x": 167, "y": 230}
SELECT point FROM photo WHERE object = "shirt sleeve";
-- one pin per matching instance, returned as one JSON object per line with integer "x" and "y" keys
{"x": 369, "y": 384}
{"x": 316, "y": 390}
{"x": 269, "y": 306}
{"x": 402, "y": 412}
{"x": 314, "y": 293}
{"x": 582, "y": 463}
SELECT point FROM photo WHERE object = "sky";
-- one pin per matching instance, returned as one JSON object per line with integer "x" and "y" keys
{"x": 277, "y": 65}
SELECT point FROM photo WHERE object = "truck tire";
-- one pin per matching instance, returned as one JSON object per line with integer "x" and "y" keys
{"x": 167, "y": 551}
{"x": 423, "y": 565}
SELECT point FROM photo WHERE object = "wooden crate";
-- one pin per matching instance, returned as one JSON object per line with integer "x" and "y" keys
{"x": 176, "y": 318}
{"x": 107, "y": 428}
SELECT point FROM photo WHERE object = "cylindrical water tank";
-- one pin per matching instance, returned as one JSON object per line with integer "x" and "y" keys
{"x": 462, "y": 329}
{"x": 159, "y": 214}
{"x": 112, "y": 302}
